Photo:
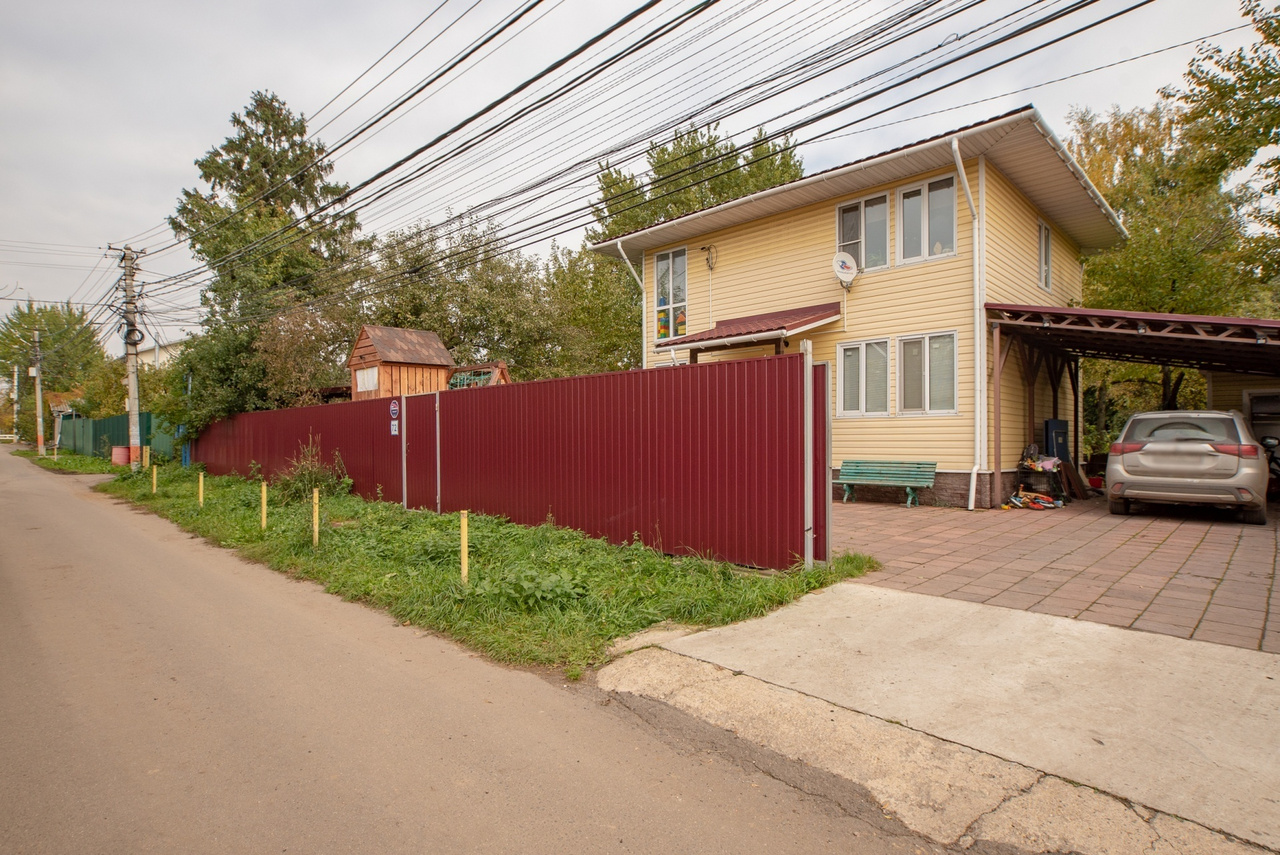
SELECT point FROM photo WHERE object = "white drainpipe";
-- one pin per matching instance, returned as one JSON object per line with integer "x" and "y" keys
{"x": 644, "y": 309}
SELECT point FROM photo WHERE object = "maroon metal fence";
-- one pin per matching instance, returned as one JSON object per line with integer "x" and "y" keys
{"x": 701, "y": 459}
{"x": 359, "y": 431}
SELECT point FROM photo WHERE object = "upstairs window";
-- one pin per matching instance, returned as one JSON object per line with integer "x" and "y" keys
{"x": 672, "y": 294}
{"x": 864, "y": 232}
{"x": 1046, "y": 241}
{"x": 927, "y": 220}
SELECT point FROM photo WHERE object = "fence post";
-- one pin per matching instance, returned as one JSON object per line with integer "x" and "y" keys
{"x": 201, "y": 491}
{"x": 438, "y": 504}
{"x": 806, "y": 348}
{"x": 465, "y": 549}
{"x": 404, "y": 451}
{"x": 264, "y": 504}
{"x": 315, "y": 517}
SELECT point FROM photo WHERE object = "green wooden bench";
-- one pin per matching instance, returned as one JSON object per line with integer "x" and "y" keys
{"x": 886, "y": 473}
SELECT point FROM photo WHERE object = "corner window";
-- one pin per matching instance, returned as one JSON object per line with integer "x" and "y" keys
{"x": 927, "y": 220}
{"x": 864, "y": 232}
{"x": 367, "y": 379}
{"x": 1046, "y": 241}
{"x": 672, "y": 296}
{"x": 863, "y": 380}
{"x": 927, "y": 372}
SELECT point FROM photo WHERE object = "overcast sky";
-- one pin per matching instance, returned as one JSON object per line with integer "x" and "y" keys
{"x": 105, "y": 106}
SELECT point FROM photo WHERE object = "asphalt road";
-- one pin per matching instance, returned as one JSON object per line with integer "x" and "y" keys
{"x": 160, "y": 695}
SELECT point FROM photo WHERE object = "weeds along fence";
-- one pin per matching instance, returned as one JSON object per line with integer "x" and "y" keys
{"x": 706, "y": 459}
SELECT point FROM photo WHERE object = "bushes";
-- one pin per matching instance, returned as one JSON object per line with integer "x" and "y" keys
{"x": 307, "y": 471}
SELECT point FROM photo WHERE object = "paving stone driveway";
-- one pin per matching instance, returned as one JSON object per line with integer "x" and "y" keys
{"x": 1189, "y": 572}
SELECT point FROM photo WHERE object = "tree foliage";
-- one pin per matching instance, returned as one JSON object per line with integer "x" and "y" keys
{"x": 484, "y": 300}
{"x": 697, "y": 169}
{"x": 265, "y": 229}
{"x": 69, "y": 349}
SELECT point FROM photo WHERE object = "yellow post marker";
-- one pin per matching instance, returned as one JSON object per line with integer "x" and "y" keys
{"x": 146, "y": 456}
{"x": 201, "y": 489}
{"x": 315, "y": 517}
{"x": 153, "y": 480}
{"x": 463, "y": 518}
{"x": 264, "y": 505}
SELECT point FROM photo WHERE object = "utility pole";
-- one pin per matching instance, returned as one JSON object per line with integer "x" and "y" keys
{"x": 132, "y": 338}
{"x": 35, "y": 371}
{"x": 15, "y": 402}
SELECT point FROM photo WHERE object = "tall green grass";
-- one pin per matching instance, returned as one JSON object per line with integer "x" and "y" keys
{"x": 537, "y": 595}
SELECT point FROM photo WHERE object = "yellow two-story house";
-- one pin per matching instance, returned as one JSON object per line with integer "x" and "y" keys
{"x": 993, "y": 213}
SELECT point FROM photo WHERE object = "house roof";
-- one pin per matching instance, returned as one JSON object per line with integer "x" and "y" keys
{"x": 413, "y": 347}
{"x": 764, "y": 327}
{"x": 1238, "y": 345}
{"x": 1018, "y": 143}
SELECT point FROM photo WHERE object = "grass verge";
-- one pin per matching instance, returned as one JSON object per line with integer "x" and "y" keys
{"x": 537, "y": 596}
{"x": 69, "y": 461}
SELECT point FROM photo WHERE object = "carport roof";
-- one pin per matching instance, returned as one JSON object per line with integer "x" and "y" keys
{"x": 1237, "y": 345}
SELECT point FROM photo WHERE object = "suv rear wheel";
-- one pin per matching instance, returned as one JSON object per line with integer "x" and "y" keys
{"x": 1119, "y": 507}
{"x": 1255, "y": 516}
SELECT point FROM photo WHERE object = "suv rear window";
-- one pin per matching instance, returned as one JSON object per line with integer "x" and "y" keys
{"x": 1179, "y": 426}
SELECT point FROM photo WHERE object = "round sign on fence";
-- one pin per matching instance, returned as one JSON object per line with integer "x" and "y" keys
{"x": 395, "y": 409}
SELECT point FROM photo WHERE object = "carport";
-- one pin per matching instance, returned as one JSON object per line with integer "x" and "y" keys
{"x": 1055, "y": 339}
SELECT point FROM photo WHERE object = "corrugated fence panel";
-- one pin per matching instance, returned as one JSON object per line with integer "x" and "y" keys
{"x": 359, "y": 431}
{"x": 700, "y": 459}
{"x": 420, "y": 448}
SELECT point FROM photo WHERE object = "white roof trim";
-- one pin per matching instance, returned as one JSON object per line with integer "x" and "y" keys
{"x": 1105, "y": 228}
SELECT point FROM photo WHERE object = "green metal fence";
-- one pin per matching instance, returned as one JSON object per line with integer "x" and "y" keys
{"x": 97, "y": 436}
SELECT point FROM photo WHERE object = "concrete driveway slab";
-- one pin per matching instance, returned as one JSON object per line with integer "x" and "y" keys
{"x": 1188, "y": 728}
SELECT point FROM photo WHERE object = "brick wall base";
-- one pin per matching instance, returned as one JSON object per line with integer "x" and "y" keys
{"x": 950, "y": 490}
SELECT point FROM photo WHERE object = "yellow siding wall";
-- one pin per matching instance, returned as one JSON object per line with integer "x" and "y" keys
{"x": 784, "y": 262}
{"x": 1012, "y": 276}
{"x": 1226, "y": 391}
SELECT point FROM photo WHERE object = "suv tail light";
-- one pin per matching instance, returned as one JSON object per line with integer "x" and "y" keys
{"x": 1247, "y": 451}
{"x": 1127, "y": 447}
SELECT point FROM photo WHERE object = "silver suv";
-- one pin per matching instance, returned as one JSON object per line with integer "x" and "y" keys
{"x": 1180, "y": 457}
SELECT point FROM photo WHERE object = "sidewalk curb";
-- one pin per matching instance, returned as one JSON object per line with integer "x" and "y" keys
{"x": 954, "y": 795}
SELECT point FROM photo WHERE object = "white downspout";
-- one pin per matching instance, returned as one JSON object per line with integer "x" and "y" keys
{"x": 644, "y": 308}
{"x": 977, "y": 323}
{"x": 979, "y": 333}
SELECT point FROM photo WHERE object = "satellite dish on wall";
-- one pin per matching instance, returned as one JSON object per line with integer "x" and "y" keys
{"x": 845, "y": 267}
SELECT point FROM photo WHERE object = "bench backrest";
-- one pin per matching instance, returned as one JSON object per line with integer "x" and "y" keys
{"x": 897, "y": 473}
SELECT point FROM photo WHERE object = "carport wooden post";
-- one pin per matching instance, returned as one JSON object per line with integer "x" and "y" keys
{"x": 997, "y": 487}
{"x": 1075, "y": 413}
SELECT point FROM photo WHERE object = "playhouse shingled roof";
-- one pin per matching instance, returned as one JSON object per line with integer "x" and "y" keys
{"x": 410, "y": 347}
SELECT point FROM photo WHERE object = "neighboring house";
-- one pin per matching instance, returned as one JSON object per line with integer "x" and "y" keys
{"x": 997, "y": 212}
{"x": 160, "y": 355}
{"x": 387, "y": 361}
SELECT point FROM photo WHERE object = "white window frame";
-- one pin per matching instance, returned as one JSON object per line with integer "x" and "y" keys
{"x": 923, "y": 187}
{"x": 860, "y": 255}
{"x": 671, "y": 307}
{"x": 924, "y": 378}
{"x": 844, "y": 411}
{"x": 363, "y": 376}
{"x": 1044, "y": 252}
